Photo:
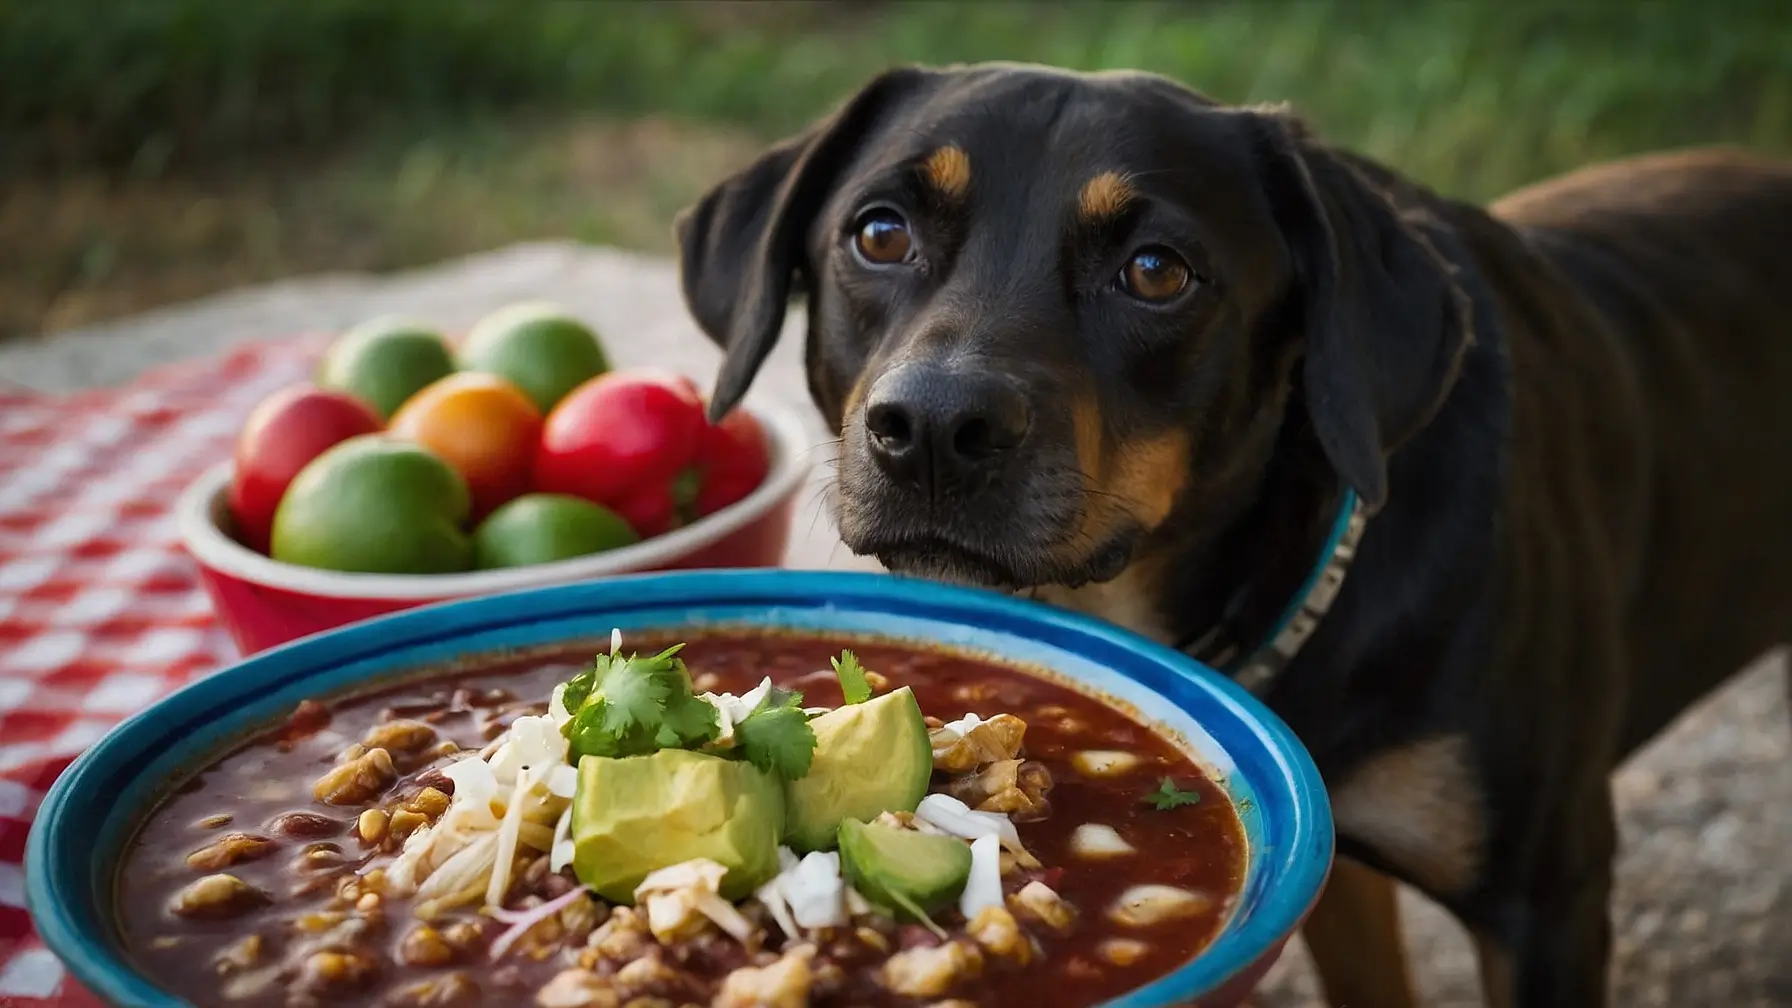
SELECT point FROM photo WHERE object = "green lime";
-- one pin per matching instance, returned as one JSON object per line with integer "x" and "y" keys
{"x": 539, "y": 347}
{"x": 377, "y": 504}
{"x": 544, "y": 527}
{"x": 385, "y": 360}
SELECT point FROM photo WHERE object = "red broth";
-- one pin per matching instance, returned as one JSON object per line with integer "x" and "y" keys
{"x": 304, "y": 851}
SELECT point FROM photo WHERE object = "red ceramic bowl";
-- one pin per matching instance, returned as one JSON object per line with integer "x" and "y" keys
{"x": 264, "y": 602}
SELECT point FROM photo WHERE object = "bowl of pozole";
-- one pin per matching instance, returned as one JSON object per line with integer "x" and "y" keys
{"x": 736, "y": 788}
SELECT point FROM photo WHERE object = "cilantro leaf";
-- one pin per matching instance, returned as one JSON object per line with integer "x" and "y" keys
{"x": 586, "y": 735}
{"x": 853, "y": 682}
{"x": 777, "y": 736}
{"x": 690, "y": 723}
{"x": 634, "y": 696}
{"x": 1169, "y": 796}
{"x": 625, "y": 705}
{"x": 579, "y": 688}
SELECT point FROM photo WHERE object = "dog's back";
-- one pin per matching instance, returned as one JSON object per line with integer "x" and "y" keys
{"x": 1686, "y": 260}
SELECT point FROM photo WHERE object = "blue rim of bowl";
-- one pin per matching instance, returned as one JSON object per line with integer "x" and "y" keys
{"x": 84, "y": 936}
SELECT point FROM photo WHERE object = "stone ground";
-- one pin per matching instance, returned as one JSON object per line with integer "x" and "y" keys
{"x": 1705, "y": 881}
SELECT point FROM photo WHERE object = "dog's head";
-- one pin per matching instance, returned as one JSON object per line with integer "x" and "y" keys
{"x": 1049, "y": 311}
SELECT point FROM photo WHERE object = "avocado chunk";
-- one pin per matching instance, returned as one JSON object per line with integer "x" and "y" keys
{"x": 634, "y": 815}
{"x": 912, "y": 874}
{"x": 870, "y": 757}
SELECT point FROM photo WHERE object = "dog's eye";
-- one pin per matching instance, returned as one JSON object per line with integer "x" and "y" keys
{"x": 883, "y": 237}
{"x": 1155, "y": 273}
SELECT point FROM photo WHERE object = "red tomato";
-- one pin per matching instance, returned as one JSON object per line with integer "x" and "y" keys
{"x": 283, "y": 433}
{"x": 620, "y": 440}
{"x": 733, "y": 459}
{"x": 638, "y": 442}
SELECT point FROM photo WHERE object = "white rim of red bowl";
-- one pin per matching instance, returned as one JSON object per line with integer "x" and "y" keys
{"x": 203, "y": 502}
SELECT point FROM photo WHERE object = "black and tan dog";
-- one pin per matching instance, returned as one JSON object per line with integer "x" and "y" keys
{"x": 1100, "y": 339}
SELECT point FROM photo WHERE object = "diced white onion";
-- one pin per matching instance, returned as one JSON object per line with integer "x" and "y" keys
{"x": 815, "y": 892}
{"x": 1097, "y": 841}
{"x": 475, "y": 788}
{"x": 563, "y": 780}
{"x": 1145, "y": 905}
{"x": 557, "y": 711}
{"x": 983, "y": 888}
{"x": 964, "y": 822}
{"x": 963, "y": 725}
{"x": 732, "y": 710}
{"x": 772, "y": 893}
{"x": 1104, "y": 762}
{"x": 1122, "y": 952}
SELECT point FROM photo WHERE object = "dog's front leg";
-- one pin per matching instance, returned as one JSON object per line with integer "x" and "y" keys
{"x": 1548, "y": 944}
{"x": 1354, "y": 937}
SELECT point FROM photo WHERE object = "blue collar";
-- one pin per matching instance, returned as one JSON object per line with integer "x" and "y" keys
{"x": 1257, "y": 668}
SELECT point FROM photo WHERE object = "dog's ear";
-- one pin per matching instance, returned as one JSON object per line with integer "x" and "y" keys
{"x": 742, "y": 244}
{"x": 1385, "y": 321}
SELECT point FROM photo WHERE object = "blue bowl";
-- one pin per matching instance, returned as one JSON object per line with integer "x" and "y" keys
{"x": 90, "y": 814}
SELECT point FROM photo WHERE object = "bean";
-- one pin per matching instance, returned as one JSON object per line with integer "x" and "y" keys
{"x": 448, "y": 991}
{"x": 216, "y": 897}
{"x": 424, "y": 946}
{"x": 435, "y": 778}
{"x": 358, "y": 781}
{"x": 399, "y": 736}
{"x": 371, "y": 826}
{"x": 231, "y": 849}
{"x": 218, "y": 821}
{"x": 428, "y": 802}
{"x": 404, "y": 823}
{"x": 308, "y": 718}
{"x": 333, "y": 971}
{"x": 305, "y": 824}
{"x": 239, "y": 956}
{"x": 464, "y": 936}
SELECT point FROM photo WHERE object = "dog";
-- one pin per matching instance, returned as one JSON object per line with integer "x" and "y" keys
{"x": 1098, "y": 339}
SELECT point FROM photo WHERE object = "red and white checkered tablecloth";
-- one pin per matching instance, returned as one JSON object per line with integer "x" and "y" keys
{"x": 101, "y": 612}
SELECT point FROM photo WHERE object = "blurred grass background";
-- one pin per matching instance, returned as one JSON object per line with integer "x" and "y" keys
{"x": 155, "y": 150}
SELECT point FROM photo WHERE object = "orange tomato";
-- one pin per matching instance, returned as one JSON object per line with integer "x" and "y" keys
{"x": 483, "y": 426}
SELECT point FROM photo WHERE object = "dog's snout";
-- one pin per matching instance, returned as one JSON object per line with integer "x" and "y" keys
{"x": 934, "y": 428}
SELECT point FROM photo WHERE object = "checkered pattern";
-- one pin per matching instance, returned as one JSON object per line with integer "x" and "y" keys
{"x": 101, "y": 612}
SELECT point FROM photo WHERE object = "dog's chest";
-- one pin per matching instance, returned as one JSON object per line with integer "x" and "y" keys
{"x": 1129, "y": 600}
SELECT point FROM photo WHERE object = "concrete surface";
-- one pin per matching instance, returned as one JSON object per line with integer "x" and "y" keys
{"x": 1705, "y": 881}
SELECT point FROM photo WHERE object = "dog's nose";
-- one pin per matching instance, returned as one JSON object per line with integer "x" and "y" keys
{"x": 934, "y": 428}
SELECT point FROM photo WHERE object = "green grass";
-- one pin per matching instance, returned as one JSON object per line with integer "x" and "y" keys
{"x": 1473, "y": 97}
{"x": 378, "y": 133}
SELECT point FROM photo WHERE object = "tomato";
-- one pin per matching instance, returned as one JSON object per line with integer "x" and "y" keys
{"x": 483, "y": 426}
{"x": 734, "y": 460}
{"x": 638, "y": 443}
{"x": 283, "y": 434}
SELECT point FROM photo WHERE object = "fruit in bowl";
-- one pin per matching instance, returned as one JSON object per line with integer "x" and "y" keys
{"x": 634, "y": 447}
{"x": 333, "y": 514}
{"x": 385, "y": 360}
{"x": 541, "y": 348}
{"x": 640, "y": 443}
{"x": 545, "y": 527}
{"x": 283, "y": 434}
{"x": 483, "y": 426}
{"x": 375, "y": 503}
